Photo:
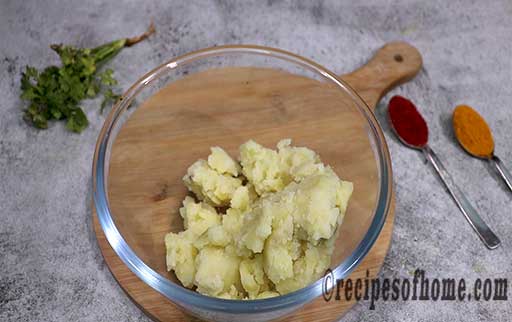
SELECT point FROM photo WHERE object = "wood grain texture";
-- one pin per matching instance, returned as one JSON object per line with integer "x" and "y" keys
{"x": 226, "y": 107}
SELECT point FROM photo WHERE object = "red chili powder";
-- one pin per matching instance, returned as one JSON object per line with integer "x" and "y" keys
{"x": 407, "y": 121}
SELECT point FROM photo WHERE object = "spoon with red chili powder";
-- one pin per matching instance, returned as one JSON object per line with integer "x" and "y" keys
{"x": 412, "y": 130}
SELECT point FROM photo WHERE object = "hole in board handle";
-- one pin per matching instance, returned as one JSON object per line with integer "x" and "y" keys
{"x": 398, "y": 58}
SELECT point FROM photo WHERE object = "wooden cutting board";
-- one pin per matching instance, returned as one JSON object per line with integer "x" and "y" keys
{"x": 391, "y": 65}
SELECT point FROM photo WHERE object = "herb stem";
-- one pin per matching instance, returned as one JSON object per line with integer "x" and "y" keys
{"x": 133, "y": 40}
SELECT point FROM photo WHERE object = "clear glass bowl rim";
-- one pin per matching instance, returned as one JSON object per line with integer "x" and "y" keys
{"x": 186, "y": 297}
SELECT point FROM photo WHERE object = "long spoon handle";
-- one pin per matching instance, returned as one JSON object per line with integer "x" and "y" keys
{"x": 505, "y": 174}
{"x": 484, "y": 232}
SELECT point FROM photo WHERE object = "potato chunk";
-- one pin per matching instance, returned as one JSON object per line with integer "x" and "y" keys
{"x": 261, "y": 166}
{"x": 253, "y": 277}
{"x": 198, "y": 217}
{"x": 221, "y": 162}
{"x": 216, "y": 271}
{"x": 209, "y": 185}
{"x": 181, "y": 256}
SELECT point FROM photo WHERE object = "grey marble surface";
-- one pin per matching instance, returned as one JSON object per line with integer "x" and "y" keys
{"x": 50, "y": 265}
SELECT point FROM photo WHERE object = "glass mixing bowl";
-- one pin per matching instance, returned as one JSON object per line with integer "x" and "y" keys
{"x": 224, "y": 96}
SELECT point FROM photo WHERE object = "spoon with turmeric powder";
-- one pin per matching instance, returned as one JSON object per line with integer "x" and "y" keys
{"x": 475, "y": 136}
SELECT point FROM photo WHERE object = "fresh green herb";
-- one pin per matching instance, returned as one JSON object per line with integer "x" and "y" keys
{"x": 56, "y": 92}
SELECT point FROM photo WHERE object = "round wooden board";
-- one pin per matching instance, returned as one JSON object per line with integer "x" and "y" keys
{"x": 393, "y": 64}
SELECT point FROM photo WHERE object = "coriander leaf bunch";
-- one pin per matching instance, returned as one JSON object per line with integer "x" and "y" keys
{"x": 55, "y": 92}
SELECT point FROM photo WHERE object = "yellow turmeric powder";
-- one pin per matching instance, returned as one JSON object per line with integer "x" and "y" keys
{"x": 472, "y": 132}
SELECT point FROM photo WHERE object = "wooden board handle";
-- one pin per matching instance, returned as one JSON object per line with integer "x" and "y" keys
{"x": 392, "y": 65}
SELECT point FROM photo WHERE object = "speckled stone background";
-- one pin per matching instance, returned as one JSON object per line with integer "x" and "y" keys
{"x": 50, "y": 265}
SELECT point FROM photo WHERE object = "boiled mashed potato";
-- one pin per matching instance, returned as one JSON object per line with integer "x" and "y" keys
{"x": 282, "y": 209}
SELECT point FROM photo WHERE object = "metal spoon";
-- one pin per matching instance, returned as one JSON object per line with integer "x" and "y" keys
{"x": 415, "y": 123}
{"x": 466, "y": 132}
